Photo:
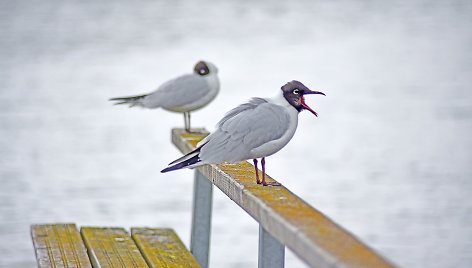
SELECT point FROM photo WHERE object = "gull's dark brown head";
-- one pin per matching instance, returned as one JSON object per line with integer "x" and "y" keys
{"x": 204, "y": 68}
{"x": 294, "y": 92}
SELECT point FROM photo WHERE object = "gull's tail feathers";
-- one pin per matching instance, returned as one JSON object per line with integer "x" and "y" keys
{"x": 189, "y": 160}
{"x": 131, "y": 101}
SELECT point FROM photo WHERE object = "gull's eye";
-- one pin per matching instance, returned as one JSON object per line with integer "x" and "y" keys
{"x": 295, "y": 91}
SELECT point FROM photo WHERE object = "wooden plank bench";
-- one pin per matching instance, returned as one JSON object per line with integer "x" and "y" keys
{"x": 61, "y": 245}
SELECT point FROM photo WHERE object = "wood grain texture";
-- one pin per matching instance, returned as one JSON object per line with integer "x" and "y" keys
{"x": 59, "y": 245}
{"x": 314, "y": 237}
{"x": 163, "y": 248}
{"x": 112, "y": 247}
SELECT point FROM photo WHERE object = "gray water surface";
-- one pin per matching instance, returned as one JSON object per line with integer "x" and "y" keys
{"x": 389, "y": 157}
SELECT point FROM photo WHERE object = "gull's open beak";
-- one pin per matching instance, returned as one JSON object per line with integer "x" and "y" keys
{"x": 307, "y": 91}
{"x": 302, "y": 100}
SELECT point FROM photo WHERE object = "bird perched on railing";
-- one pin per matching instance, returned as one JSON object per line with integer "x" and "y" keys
{"x": 256, "y": 129}
{"x": 183, "y": 94}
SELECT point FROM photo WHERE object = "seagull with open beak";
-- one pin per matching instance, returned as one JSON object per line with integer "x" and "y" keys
{"x": 256, "y": 129}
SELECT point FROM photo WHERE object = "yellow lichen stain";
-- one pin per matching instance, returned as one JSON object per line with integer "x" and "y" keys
{"x": 172, "y": 253}
{"x": 192, "y": 138}
{"x": 190, "y": 135}
{"x": 106, "y": 240}
{"x": 63, "y": 241}
{"x": 312, "y": 223}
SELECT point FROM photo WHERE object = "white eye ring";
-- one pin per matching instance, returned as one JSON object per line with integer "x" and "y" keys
{"x": 295, "y": 91}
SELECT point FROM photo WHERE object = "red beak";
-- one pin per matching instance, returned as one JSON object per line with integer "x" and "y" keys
{"x": 302, "y": 100}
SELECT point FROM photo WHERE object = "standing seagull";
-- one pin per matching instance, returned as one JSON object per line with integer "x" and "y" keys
{"x": 256, "y": 129}
{"x": 183, "y": 94}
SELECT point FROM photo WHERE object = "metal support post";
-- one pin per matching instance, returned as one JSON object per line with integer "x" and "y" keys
{"x": 271, "y": 251}
{"x": 201, "y": 219}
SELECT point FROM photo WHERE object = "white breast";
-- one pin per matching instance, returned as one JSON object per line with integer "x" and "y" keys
{"x": 274, "y": 146}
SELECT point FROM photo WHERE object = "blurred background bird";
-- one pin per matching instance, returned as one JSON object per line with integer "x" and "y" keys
{"x": 183, "y": 94}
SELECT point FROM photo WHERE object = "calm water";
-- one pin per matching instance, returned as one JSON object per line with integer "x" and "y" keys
{"x": 389, "y": 157}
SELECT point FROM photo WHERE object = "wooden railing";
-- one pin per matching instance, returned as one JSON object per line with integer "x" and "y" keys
{"x": 284, "y": 219}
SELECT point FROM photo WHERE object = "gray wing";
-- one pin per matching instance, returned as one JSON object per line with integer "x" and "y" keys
{"x": 244, "y": 128}
{"x": 178, "y": 92}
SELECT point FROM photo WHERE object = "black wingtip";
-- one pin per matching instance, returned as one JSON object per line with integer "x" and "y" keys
{"x": 172, "y": 168}
{"x": 189, "y": 162}
{"x": 165, "y": 170}
{"x": 118, "y": 99}
{"x": 130, "y": 98}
